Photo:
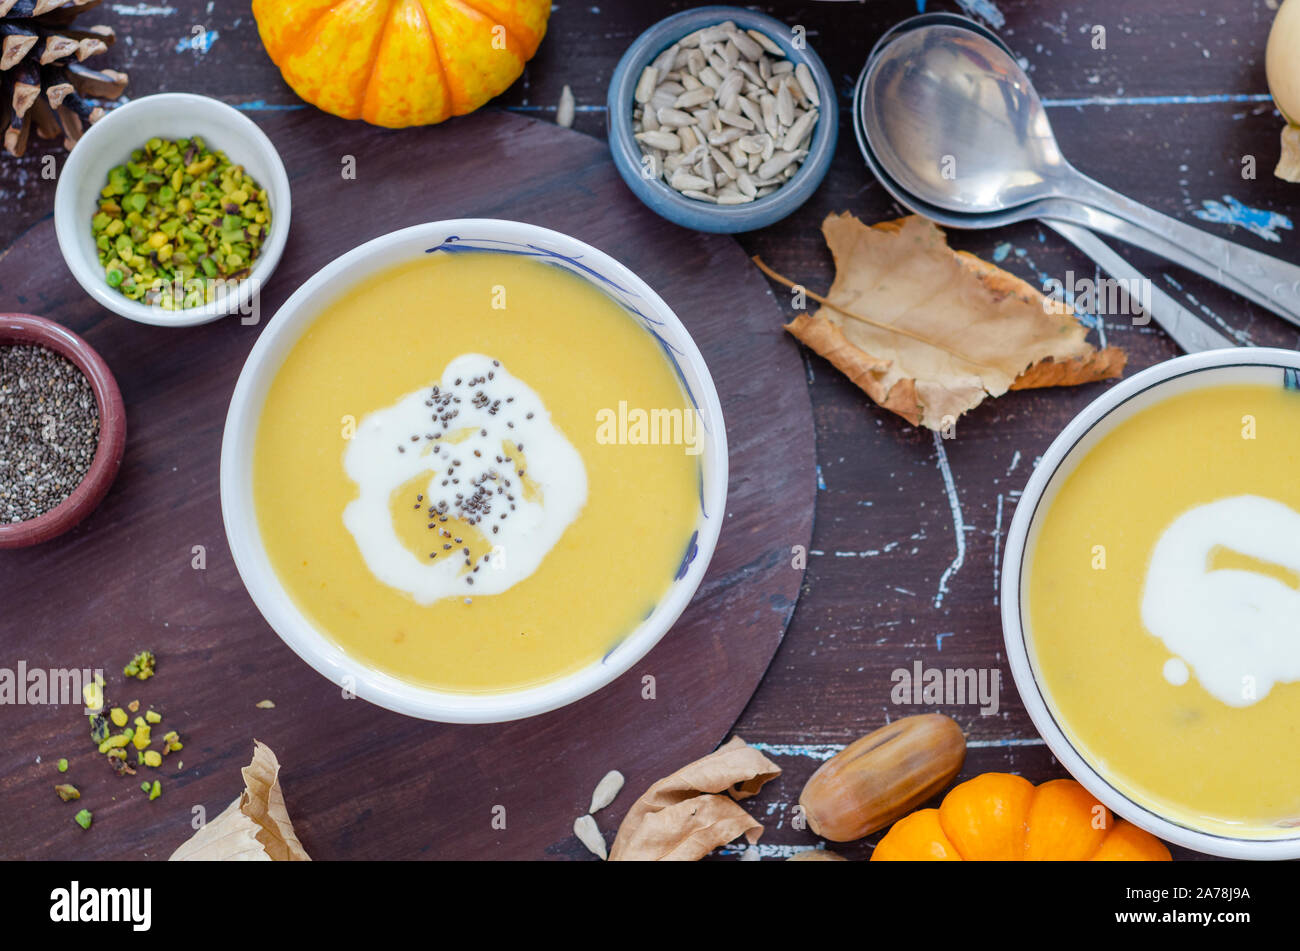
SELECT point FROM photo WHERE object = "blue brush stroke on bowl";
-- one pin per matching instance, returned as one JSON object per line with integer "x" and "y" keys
{"x": 689, "y": 212}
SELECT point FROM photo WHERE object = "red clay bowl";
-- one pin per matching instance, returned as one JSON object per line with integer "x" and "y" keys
{"x": 26, "y": 329}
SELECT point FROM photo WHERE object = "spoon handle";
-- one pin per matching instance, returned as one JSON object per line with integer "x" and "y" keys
{"x": 1268, "y": 281}
{"x": 1187, "y": 330}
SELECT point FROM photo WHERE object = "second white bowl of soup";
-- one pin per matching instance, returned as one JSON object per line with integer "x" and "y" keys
{"x": 473, "y": 470}
{"x": 1150, "y": 600}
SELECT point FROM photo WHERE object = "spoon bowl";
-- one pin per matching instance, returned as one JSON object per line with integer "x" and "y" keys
{"x": 954, "y": 120}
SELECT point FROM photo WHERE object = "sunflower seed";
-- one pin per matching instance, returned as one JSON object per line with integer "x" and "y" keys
{"x": 606, "y": 790}
{"x": 724, "y": 137}
{"x": 685, "y": 181}
{"x": 782, "y": 67}
{"x": 795, "y": 134}
{"x": 738, "y": 158}
{"x": 765, "y": 41}
{"x": 746, "y": 184}
{"x": 699, "y": 195}
{"x": 752, "y": 111}
{"x": 660, "y": 140}
{"x": 693, "y": 97}
{"x": 735, "y": 120}
{"x": 588, "y": 833}
{"x": 665, "y": 60}
{"x": 709, "y": 76}
{"x": 804, "y": 75}
{"x": 778, "y": 163}
{"x": 747, "y": 46}
{"x": 725, "y": 164}
{"x": 645, "y": 86}
{"x": 730, "y": 88}
{"x": 564, "y": 111}
{"x": 674, "y": 118}
{"x": 784, "y": 104}
{"x": 767, "y": 104}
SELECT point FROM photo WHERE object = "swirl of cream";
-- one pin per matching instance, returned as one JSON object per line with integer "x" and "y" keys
{"x": 1239, "y": 631}
{"x": 490, "y": 414}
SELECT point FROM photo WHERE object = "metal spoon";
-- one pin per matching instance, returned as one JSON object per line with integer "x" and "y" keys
{"x": 1186, "y": 329}
{"x": 954, "y": 120}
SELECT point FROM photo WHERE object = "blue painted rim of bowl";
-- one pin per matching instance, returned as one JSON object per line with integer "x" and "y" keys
{"x": 688, "y": 212}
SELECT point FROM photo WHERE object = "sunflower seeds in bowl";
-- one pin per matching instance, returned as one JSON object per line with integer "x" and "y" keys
{"x": 723, "y": 117}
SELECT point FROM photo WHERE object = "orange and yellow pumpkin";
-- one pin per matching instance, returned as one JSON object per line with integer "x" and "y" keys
{"x": 400, "y": 62}
{"x": 999, "y": 816}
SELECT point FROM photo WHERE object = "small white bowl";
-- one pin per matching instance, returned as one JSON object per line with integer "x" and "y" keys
{"x": 1212, "y": 368}
{"x": 283, "y": 332}
{"x": 110, "y": 142}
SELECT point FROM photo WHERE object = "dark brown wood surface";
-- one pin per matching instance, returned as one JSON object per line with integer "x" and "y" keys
{"x": 1167, "y": 112}
{"x": 363, "y": 782}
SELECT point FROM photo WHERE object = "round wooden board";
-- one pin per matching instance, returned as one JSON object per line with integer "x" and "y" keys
{"x": 363, "y": 783}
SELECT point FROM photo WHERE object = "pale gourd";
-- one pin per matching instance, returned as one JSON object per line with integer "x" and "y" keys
{"x": 1282, "y": 63}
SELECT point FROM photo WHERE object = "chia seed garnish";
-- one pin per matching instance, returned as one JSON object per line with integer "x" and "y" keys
{"x": 49, "y": 430}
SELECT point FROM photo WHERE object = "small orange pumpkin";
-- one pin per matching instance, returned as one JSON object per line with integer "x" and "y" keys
{"x": 400, "y": 62}
{"x": 999, "y": 816}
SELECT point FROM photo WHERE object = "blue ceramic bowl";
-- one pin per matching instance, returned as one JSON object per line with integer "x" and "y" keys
{"x": 689, "y": 212}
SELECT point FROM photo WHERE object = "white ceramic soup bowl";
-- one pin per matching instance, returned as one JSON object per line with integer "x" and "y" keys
{"x": 1212, "y": 368}
{"x": 110, "y": 142}
{"x": 462, "y": 235}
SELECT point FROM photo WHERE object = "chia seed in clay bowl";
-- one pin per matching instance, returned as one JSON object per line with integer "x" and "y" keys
{"x": 22, "y": 330}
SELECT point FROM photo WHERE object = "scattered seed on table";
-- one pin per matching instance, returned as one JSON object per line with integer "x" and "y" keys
{"x": 564, "y": 113}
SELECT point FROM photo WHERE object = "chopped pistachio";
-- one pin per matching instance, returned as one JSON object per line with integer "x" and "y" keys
{"x": 133, "y": 706}
{"x": 84, "y": 818}
{"x": 142, "y": 737}
{"x": 145, "y": 785}
{"x": 98, "y": 729}
{"x": 67, "y": 792}
{"x": 152, "y": 758}
{"x": 152, "y": 717}
{"x": 266, "y": 705}
{"x": 141, "y": 666}
{"x": 155, "y": 790}
{"x": 93, "y": 694}
{"x": 118, "y": 716}
{"x": 114, "y": 742}
{"x": 63, "y": 765}
{"x": 162, "y": 215}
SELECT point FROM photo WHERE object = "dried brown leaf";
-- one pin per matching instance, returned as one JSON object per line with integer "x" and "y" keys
{"x": 687, "y": 815}
{"x": 253, "y": 828}
{"x": 929, "y": 332}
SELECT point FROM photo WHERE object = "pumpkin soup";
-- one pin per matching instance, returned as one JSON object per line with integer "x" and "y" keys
{"x": 1163, "y": 611}
{"x": 438, "y": 485}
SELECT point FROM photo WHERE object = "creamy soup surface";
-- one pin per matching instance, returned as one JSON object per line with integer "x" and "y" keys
{"x": 1163, "y": 607}
{"x": 476, "y": 472}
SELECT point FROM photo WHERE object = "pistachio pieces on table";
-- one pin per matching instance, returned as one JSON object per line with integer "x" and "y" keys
{"x": 723, "y": 117}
